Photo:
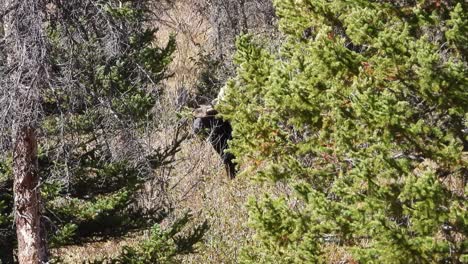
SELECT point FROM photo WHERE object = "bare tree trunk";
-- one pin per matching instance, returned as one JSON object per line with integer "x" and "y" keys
{"x": 31, "y": 247}
{"x": 26, "y": 59}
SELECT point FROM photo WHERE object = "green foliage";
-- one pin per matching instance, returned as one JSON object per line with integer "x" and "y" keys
{"x": 362, "y": 113}
{"x": 64, "y": 235}
{"x": 90, "y": 210}
{"x": 458, "y": 26}
{"x": 124, "y": 10}
{"x": 6, "y": 198}
{"x": 162, "y": 246}
{"x": 7, "y": 234}
{"x": 91, "y": 179}
{"x": 210, "y": 78}
{"x": 3, "y": 216}
{"x": 6, "y": 170}
{"x": 105, "y": 78}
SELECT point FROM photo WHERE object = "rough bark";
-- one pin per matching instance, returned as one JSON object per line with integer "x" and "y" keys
{"x": 31, "y": 247}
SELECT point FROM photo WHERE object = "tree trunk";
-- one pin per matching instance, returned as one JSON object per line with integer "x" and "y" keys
{"x": 26, "y": 57}
{"x": 31, "y": 247}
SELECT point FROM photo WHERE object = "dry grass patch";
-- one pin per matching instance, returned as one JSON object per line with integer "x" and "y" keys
{"x": 192, "y": 33}
{"x": 203, "y": 187}
{"x": 96, "y": 250}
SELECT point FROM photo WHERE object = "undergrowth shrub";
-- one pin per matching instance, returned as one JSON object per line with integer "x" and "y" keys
{"x": 162, "y": 246}
{"x": 363, "y": 112}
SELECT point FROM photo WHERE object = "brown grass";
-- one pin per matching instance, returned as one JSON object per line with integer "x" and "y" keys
{"x": 192, "y": 37}
{"x": 207, "y": 191}
{"x": 95, "y": 250}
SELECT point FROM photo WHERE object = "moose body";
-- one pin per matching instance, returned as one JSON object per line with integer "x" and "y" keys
{"x": 218, "y": 132}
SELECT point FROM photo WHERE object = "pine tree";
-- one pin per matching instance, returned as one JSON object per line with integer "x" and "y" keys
{"x": 105, "y": 78}
{"x": 106, "y": 66}
{"x": 362, "y": 112}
